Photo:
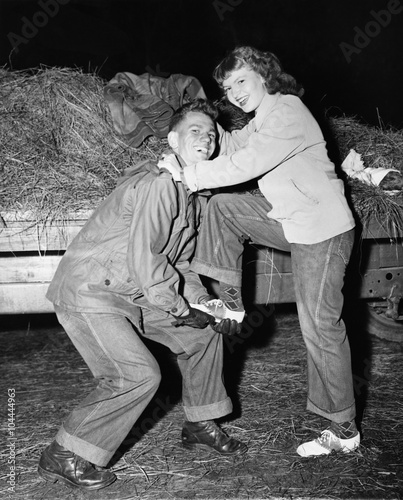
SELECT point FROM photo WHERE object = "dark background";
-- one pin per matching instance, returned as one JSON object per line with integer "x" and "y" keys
{"x": 190, "y": 36}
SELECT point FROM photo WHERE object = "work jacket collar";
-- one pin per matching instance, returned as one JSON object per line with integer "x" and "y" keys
{"x": 182, "y": 163}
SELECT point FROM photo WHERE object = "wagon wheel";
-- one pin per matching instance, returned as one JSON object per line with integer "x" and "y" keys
{"x": 380, "y": 325}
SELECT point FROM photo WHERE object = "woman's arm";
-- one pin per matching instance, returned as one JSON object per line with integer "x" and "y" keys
{"x": 280, "y": 137}
{"x": 229, "y": 142}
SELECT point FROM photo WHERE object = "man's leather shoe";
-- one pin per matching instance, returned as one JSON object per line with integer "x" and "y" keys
{"x": 60, "y": 464}
{"x": 207, "y": 434}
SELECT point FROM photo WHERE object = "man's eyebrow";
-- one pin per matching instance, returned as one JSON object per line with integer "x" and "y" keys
{"x": 212, "y": 128}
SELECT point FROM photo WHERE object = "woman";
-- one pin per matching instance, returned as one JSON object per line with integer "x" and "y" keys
{"x": 302, "y": 209}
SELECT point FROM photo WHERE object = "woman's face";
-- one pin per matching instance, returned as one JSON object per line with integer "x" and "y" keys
{"x": 245, "y": 88}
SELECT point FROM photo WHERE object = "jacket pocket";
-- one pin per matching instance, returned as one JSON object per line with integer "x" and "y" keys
{"x": 303, "y": 194}
{"x": 290, "y": 200}
{"x": 110, "y": 275}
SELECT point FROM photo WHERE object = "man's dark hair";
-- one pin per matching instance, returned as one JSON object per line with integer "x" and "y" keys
{"x": 198, "y": 105}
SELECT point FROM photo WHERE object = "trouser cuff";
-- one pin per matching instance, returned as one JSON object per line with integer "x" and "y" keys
{"x": 345, "y": 415}
{"x": 83, "y": 449}
{"x": 230, "y": 276}
{"x": 208, "y": 412}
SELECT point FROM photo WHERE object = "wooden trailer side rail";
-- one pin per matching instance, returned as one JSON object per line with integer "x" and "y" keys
{"x": 31, "y": 251}
{"x": 29, "y": 255}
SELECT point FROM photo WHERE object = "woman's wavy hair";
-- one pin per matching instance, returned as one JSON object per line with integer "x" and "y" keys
{"x": 266, "y": 64}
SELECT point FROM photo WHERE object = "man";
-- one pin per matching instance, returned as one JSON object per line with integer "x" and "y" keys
{"x": 126, "y": 275}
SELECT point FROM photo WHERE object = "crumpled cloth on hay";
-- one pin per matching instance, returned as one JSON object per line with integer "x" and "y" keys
{"x": 142, "y": 105}
{"x": 354, "y": 167}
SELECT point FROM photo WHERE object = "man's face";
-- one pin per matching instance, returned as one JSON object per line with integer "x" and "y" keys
{"x": 194, "y": 138}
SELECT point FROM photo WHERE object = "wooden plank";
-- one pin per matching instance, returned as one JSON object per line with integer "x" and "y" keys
{"x": 274, "y": 289}
{"x": 375, "y": 283}
{"x": 24, "y": 298}
{"x": 34, "y": 238}
{"x": 24, "y": 233}
{"x": 29, "y": 217}
{"x": 377, "y": 229}
{"x": 34, "y": 269}
{"x": 268, "y": 261}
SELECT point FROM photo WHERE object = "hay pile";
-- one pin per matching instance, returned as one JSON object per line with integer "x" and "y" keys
{"x": 379, "y": 148}
{"x": 59, "y": 152}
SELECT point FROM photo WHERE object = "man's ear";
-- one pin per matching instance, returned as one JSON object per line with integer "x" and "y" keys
{"x": 173, "y": 140}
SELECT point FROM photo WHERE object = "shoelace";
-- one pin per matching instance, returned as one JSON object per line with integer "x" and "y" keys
{"x": 325, "y": 439}
{"x": 216, "y": 302}
{"x": 83, "y": 466}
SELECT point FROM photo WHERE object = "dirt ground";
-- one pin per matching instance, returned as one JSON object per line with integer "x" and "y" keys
{"x": 265, "y": 375}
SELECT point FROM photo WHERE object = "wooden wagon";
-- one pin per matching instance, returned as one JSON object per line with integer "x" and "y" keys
{"x": 31, "y": 251}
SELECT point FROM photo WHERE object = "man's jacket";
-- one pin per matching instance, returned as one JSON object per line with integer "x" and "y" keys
{"x": 136, "y": 245}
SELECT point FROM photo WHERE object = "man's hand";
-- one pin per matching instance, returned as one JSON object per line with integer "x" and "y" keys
{"x": 227, "y": 327}
{"x": 195, "y": 319}
{"x": 170, "y": 163}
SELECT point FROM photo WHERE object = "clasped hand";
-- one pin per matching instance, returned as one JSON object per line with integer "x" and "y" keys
{"x": 199, "y": 319}
{"x": 170, "y": 163}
